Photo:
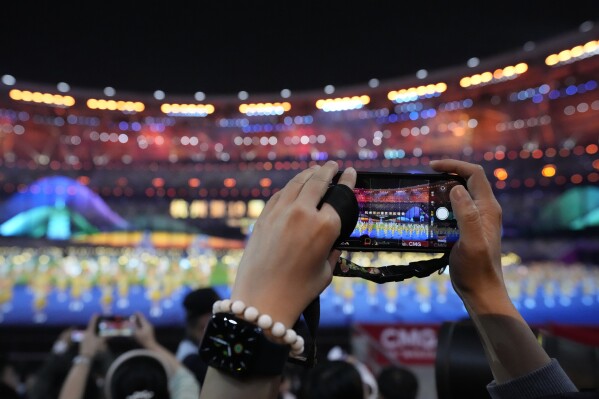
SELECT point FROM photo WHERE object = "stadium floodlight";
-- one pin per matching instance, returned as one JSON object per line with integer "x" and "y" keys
{"x": 109, "y": 91}
{"x": 8, "y": 80}
{"x": 243, "y": 95}
{"x": 63, "y": 87}
{"x": 473, "y": 62}
{"x": 422, "y": 74}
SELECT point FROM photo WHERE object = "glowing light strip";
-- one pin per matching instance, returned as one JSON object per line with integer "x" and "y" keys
{"x": 342, "y": 104}
{"x": 200, "y": 110}
{"x": 264, "y": 108}
{"x": 41, "y": 98}
{"x": 499, "y": 75}
{"x": 414, "y": 93}
{"x": 113, "y": 105}
{"x": 574, "y": 54}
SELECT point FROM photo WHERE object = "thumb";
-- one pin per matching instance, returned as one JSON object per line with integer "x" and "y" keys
{"x": 333, "y": 258}
{"x": 467, "y": 215}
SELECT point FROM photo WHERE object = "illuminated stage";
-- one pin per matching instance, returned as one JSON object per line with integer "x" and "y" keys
{"x": 155, "y": 284}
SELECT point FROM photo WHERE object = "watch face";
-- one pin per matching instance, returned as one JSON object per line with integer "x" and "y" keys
{"x": 229, "y": 343}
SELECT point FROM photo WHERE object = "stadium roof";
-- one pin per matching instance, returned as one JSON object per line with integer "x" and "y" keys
{"x": 225, "y": 47}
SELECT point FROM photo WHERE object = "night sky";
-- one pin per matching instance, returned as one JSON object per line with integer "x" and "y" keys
{"x": 263, "y": 47}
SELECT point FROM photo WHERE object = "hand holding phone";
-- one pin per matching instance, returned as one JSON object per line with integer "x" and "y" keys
{"x": 401, "y": 212}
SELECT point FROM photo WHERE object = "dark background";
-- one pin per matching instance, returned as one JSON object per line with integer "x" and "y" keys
{"x": 222, "y": 47}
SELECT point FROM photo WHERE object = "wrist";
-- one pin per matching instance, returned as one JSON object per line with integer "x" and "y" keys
{"x": 278, "y": 309}
{"x": 274, "y": 330}
{"x": 489, "y": 301}
{"x": 151, "y": 344}
{"x": 82, "y": 360}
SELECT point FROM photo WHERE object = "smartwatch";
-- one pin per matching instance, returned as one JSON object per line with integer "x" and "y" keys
{"x": 240, "y": 348}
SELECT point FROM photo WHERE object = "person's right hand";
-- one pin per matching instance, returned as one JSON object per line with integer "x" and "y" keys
{"x": 143, "y": 331}
{"x": 475, "y": 260}
{"x": 91, "y": 343}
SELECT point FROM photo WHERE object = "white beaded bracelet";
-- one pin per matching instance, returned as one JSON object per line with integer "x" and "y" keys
{"x": 264, "y": 321}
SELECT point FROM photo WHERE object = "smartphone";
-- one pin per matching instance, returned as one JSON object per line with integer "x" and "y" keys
{"x": 403, "y": 212}
{"x": 115, "y": 326}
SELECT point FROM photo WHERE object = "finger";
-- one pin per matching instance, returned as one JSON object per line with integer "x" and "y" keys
{"x": 477, "y": 181}
{"x": 467, "y": 215}
{"x": 293, "y": 187}
{"x": 141, "y": 319}
{"x": 341, "y": 199}
{"x": 91, "y": 325}
{"x": 348, "y": 177}
{"x": 67, "y": 333}
{"x": 270, "y": 204}
{"x": 333, "y": 258}
{"x": 314, "y": 189}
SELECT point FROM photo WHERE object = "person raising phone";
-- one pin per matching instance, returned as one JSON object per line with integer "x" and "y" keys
{"x": 151, "y": 370}
{"x": 288, "y": 262}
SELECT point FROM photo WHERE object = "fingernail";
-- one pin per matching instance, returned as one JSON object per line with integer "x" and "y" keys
{"x": 458, "y": 192}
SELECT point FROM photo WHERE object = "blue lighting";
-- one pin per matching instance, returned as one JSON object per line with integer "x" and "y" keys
{"x": 425, "y": 307}
{"x": 554, "y": 94}
{"x": 565, "y": 301}
{"x": 571, "y": 90}
{"x": 530, "y": 303}
{"x": 544, "y": 89}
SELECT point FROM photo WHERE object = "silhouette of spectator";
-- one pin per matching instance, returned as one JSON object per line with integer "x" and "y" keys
{"x": 150, "y": 372}
{"x": 138, "y": 373}
{"x": 48, "y": 379}
{"x": 9, "y": 380}
{"x": 396, "y": 382}
{"x": 198, "y": 310}
{"x": 332, "y": 379}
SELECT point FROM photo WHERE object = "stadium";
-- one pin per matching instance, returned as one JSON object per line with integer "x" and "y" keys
{"x": 112, "y": 202}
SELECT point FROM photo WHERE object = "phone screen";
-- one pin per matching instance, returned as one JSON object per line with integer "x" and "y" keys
{"x": 115, "y": 326}
{"x": 404, "y": 212}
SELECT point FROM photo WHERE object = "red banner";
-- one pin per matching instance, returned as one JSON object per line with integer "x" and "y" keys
{"x": 405, "y": 343}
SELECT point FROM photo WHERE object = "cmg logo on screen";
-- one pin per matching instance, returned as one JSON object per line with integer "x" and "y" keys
{"x": 408, "y": 344}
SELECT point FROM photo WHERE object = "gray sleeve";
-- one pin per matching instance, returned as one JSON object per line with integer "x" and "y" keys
{"x": 548, "y": 380}
{"x": 183, "y": 385}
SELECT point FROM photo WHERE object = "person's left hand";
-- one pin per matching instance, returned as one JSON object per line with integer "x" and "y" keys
{"x": 91, "y": 342}
{"x": 288, "y": 260}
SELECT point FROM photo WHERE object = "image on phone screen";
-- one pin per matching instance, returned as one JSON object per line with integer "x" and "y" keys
{"x": 404, "y": 212}
{"x": 115, "y": 326}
